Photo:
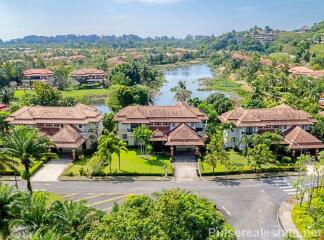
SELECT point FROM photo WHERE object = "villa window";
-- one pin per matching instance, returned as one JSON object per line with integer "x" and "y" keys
{"x": 124, "y": 136}
{"x": 80, "y": 125}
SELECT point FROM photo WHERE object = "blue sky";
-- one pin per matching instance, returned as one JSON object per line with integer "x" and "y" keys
{"x": 178, "y": 18}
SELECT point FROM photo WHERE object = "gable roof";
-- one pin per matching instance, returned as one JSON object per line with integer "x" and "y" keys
{"x": 87, "y": 72}
{"x": 298, "y": 138}
{"x": 281, "y": 115}
{"x": 158, "y": 136}
{"x": 183, "y": 135}
{"x": 146, "y": 114}
{"x": 37, "y": 72}
{"x": 78, "y": 114}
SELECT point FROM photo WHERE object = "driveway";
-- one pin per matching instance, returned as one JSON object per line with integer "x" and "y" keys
{"x": 185, "y": 168}
{"x": 51, "y": 170}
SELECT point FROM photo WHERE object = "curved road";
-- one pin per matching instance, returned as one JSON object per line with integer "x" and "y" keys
{"x": 250, "y": 205}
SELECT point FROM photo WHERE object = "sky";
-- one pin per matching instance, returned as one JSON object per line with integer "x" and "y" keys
{"x": 178, "y": 18}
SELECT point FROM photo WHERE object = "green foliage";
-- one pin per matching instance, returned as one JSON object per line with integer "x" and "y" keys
{"x": 108, "y": 122}
{"x": 174, "y": 214}
{"x": 260, "y": 155}
{"x": 182, "y": 94}
{"x": 143, "y": 136}
{"x": 3, "y": 123}
{"x": 46, "y": 96}
{"x": 318, "y": 129}
{"x": 6, "y": 95}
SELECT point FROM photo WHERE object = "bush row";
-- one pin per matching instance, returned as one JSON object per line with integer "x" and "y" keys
{"x": 36, "y": 166}
{"x": 246, "y": 171}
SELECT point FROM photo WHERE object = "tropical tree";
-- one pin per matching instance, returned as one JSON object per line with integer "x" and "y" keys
{"x": 247, "y": 141}
{"x": 182, "y": 94}
{"x": 142, "y": 136}
{"x": 3, "y": 123}
{"x": 25, "y": 144}
{"x": 119, "y": 147}
{"x": 261, "y": 154}
{"x": 8, "y": 209}
{"x": 106, "y": 148}
{"x": 73, "y": 220}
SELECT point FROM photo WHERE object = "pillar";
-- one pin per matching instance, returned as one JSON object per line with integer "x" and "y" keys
{"x": 172, "y": 151}
{"x": 197, "y": 151}
{"x": 73, "y": 154}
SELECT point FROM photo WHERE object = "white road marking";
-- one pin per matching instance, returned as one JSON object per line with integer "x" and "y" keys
{"x": 95, "y": 196}
{"x": 40, "y": 190}
{"x": 226, "y": 211}
{"x": 285, "y": 187}
{"x": 107, "y": 200}
{"x": 289, "y": 190}
{"x": 291, "y": 193}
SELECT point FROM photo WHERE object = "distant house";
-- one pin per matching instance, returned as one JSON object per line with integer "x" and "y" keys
{"x": 37, "y": 75}
{"x": 305, "y": 71}
{"x": 3, "y": 107}
{"x": 88, "y": 76}
{"x": 180, "y": 128}
{"x": 71, "y": 129}
{"x": 292, "y": 124}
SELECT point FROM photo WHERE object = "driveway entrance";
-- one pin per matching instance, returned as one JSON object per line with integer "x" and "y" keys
{"x": 185, "y": 167}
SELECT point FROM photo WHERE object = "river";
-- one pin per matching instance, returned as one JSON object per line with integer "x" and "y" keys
{"x": 190, "y": 74}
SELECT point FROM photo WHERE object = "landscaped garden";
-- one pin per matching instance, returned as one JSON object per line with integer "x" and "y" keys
{"x": 238, "y": 163}
{"x": 308, "y": 217}
{"x": 131, "y": 163}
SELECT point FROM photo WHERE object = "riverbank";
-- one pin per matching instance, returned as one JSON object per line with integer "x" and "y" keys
{"x": 172, "y": 66}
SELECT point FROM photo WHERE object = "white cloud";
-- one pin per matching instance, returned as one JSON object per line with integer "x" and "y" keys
{"x": 149, "y": 1}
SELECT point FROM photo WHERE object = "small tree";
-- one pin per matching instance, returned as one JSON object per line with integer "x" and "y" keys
{"x": 142, "y": 136}
{"x": 120, "y": 146}
{"x": 301, "y": 168}
{"x": 261, "y": 154}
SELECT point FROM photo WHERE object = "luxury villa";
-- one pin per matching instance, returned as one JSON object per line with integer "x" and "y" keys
{"x": 88, "y": 76}
{"x": 37, "y": 75}
{"x": 180, "y": 127}
{"x": 71, "y": 129}
{"x": 292, "y": 124}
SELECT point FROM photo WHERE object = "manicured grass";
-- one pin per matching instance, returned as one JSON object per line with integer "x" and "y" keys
{"x": 239, "y": 164}
{"x": 304, "y": 222}
{"x": 131, "y": 163}
{"x": 78, "y": 94}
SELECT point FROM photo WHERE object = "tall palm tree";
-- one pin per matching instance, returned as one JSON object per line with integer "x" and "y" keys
{"x": 8, "y": 208}
{"x": 25, "y": 144}
{"x": 120, "y": 146}
{"x": 182, "y": 94}
{"x": 247, "y": 140}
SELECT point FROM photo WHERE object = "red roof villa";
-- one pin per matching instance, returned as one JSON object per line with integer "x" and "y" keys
{"x": 180, "y": 127}
{"x": 37, "y": 75}
{"x": 292, "y": 124}
{"x": 67, "y": 127}
{"x": 88, "y": 76}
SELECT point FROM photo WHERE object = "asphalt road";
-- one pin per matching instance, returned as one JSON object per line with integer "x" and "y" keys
{"x": 249, "y": 205}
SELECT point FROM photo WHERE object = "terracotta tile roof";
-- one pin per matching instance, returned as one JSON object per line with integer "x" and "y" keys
{"x": 266, "y": 61}
{"x": 38, "y": 72}
{"x": 183, "y": 135}
{"x": 87, "y": 72}
{"x": 67, "y": 137}
{"x": 281, "y": 115}
{"x": 298, "y": 138}
{"x": 241, "y": 56}
{"x": 321, "y": 113}
{"x": 159, "y": 136}
{"x": 179, "y": 113}
{"x": 3, "y": 107}
{"x": 300, "y": 70}
{"x": 78, "y": 114}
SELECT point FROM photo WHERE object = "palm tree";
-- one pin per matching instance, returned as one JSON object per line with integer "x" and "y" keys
{"x": 120, "y": 146}
{"x": 106, "y": 148}
{"x": 25, "y": 144}
{"x": 142, "y": 136}
{"x": 8, "y": 207}
{"x": 73, "y": 219}
{"x": 247, "y": 140}
{"x": 182, "y": 94}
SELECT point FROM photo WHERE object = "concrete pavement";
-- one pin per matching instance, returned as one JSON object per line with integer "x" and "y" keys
{"x": 51, "y": 170}
{"x": 185, "y": 168}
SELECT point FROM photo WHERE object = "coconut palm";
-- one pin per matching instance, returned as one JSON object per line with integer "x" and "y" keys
{"x": 142, "y": 136}
{"x": 73, "y": 220}
{"x": 25, "y": 144}
{"x": 182, "y": 94}
{"x": 8, "y": 208}
{"x": 120, "y": 146}
{"x": 106, "y": 148}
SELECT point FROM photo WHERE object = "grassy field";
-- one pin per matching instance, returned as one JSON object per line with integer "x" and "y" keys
{"x": 80, "y": 95}
{"x": 239, "y": 163}
{"x": 304, "y": 222}
{"x": 131, "y": 162}
{"x": 318, "y": 48}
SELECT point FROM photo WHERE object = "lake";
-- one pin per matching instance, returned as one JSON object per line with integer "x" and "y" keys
{"x": 189, "y": 74}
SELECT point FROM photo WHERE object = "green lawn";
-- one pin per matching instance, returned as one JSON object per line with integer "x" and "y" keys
{"x": 131, "y": 163}
{"x": 80, "y": 95}
{"x": 239, "y": 164}
{"x": 35, "y": 165}
{"x": 304, "y": 222}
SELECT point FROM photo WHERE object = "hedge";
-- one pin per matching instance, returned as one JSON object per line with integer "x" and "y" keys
{"x": 36, "y": 166}
{"x": 246, "y": 171}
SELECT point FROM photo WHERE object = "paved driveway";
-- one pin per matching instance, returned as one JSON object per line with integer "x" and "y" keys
{"x": 185, "y": 168}
{"x": 51, "y": 170}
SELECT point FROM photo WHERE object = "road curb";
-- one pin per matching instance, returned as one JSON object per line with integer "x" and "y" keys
{"x": 114, "y": 179}
{"x": 247, "y": 176}
{"x": 284, "y": 217}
